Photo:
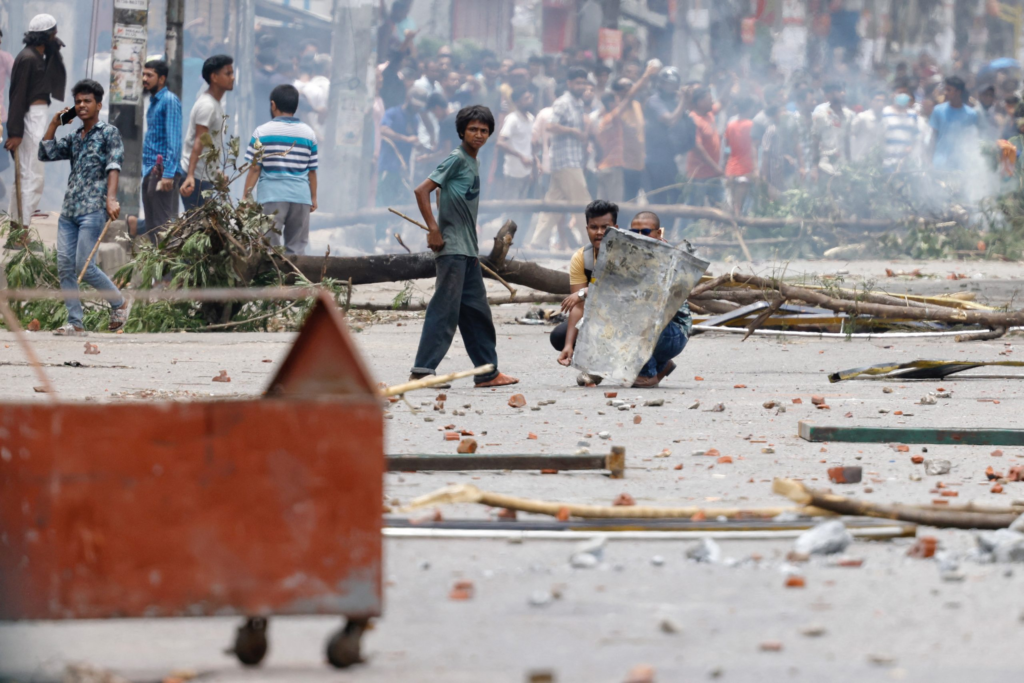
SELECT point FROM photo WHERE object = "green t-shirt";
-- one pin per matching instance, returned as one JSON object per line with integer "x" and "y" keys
{"x": 459, "y": 178}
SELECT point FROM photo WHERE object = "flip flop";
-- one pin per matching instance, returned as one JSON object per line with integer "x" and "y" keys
{"x": 502, "y": 380}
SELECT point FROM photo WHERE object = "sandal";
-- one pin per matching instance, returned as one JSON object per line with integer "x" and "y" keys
{"x": 502, "y": 380}
{"x": 119, "y": 316}
{"x": 70, "y": 330}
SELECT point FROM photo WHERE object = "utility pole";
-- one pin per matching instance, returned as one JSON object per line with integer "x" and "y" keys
{"x": 245, "y": 59}
{"x": 128, "y": 56}
{"x": 174, "y": 44}
{"x": 353, "y": 82}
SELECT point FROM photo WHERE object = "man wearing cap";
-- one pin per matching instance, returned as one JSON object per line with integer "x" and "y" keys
{"x": 37, "y": 76}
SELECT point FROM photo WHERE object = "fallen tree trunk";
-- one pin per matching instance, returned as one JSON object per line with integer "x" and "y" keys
{"x": 365, "y": 270}
{"x": 492, "y": 300}
{"x": 664, "y": 211}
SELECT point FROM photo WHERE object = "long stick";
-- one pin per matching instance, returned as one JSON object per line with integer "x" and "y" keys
{"x": 14, "y": 326}
{"x": 426, "y": 382}
{"x": 17, "y": 188}
{"x": 466, "y": 493}
{"x": 933, "y": 516}
{"x": 482, "y": 265}
{"x": 94, "y": 248}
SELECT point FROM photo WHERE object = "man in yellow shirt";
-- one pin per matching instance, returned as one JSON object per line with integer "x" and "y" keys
{"x": 602, "y": 216}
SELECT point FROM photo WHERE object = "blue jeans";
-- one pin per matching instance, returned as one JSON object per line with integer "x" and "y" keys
{"x": 459, "y": 301}
{"x": 75, "y": 239}
{"x": 670, "y": 344}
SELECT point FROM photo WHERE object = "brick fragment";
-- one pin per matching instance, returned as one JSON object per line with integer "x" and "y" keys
{"x": 517, "y": 401}
{"x": 467, "y": 446}
{"x": 845, "y": 475}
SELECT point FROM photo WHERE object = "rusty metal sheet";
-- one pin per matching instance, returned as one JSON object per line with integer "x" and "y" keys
{"x": 639, "y": 285}
{"x": 187, "y": 509}
{"x": 323, "y": 359}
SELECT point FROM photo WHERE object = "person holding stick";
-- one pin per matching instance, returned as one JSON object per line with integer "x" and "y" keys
{"x": 460, "y": 299}
{"x": 96, "y": 152}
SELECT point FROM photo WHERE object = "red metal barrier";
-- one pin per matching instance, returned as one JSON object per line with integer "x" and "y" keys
{"x": 250, "y": 507}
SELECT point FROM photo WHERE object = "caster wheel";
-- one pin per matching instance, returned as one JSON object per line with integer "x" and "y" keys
{"x": 343, "y": 647}
{"x": 251, "y": 642}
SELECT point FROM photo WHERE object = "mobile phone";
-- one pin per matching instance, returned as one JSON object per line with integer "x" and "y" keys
{"x": 68, "y": 116}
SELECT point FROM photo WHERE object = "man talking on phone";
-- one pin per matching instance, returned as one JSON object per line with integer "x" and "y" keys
{"x": 96, "y": 152}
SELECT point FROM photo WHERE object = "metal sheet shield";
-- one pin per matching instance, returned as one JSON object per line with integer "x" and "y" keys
{"x": 639, "y": 285}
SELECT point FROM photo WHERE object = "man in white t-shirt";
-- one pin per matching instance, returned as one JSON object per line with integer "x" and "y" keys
{"x": 516, "y": 141}
{"x": 200, "y": 165}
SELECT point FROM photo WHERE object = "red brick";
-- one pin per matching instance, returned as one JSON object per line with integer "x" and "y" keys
{"x": 794, "y": 581}
{"x": 624, "y": 500}
{"x": 467, "y": 446}
{"x": 517, "y": 401}
{"x": 924, "y": 547}
{"x": 845, "y": 475}
{"x": 452, "y": 436}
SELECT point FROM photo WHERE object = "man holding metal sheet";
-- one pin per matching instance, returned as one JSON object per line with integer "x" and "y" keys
{"x": 602, "y": 216}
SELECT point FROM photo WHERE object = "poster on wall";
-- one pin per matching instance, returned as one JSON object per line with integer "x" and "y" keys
{"x": 128, "y": 54}
{"x": 609, "y": 43}
{"x": 132, "y": 4}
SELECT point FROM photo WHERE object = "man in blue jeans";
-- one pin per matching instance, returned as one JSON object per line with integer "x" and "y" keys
{"x": 602, "y": 216}
{"x": 95, "y": 151}
{"x": 460, "y": 299}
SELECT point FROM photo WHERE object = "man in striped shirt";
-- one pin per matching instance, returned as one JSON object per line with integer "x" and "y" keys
{"x": 285, "y": 171}
{"x": 901, "y": 130}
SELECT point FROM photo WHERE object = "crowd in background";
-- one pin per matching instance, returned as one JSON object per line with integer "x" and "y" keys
{"x": 571, "y": 127}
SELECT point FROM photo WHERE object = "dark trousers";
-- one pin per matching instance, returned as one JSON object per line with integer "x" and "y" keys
{"x": 670, "y": 344}
{"x": 662, "y": 173}
{"x": 160, "y": 207}
{"x": 459, "y": 300}
{"x": 196, "y": 199}
{"x": 632, "y": 182}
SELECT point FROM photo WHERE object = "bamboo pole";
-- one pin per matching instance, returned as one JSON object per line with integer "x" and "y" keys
{"x": 94, "y": 248}
{"x": 466, "y": 493}
{"x": 428, "y": 382}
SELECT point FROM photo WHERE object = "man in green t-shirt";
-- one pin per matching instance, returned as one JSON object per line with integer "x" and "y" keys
{"x": 460, "y": 299}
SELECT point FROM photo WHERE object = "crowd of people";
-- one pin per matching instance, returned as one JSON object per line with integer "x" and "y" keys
{"x": 571, "y": 128}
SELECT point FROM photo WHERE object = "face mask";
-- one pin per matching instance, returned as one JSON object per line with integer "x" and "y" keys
{"x": 902, "y": 100}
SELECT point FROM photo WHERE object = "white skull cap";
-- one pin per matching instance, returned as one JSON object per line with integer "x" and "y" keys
{"x": 42, "y": 22}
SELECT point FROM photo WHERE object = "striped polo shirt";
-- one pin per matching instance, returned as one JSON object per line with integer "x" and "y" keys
{"x": 289, "y": 154}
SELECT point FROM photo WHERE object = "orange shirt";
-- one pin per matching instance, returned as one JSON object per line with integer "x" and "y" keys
{"x": 741, "y": 148}
{"x": 622, "y": 139}
{"x": 707, "y": 137}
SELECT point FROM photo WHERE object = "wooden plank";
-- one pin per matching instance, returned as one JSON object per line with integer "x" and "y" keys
{"x": 922, "y": 435}
{"x": 614, "y": 462}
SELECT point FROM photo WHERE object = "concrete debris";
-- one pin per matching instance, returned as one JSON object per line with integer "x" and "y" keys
{"x": 694, "y": 405}
{"x": 658, "y": 561}
{"x": 719, "y": 408}
{"x": 706, "y": 551}
{"x": 640, "y": 674}
{"x": 826, "y": 538}
{"x": 84, "y": 673}
{"x": 654, "y": 402}
{"x": 669, "y": 625}
{"x": 541, "y": 598}
{"x": 937, "y": 467}
{"x": 588, "y": 554}
{"x": 813, "y": 631}
{"x": 604, "y": 435}
{"x": 1002, "y": 545}
{"x": 927, "y": 400}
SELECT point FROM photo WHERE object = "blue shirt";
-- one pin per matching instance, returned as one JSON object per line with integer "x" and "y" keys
{"x": 163, "y": 133}
{"x": 289, "y": 154}
{"x": 398, "y": 120}
{"x": 956, "y": 130}
{"x": 100, "y": 152}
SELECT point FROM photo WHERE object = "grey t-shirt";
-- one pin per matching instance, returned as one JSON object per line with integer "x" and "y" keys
{"x": 459, "y": 178}
{"x": 208, "y": 112}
